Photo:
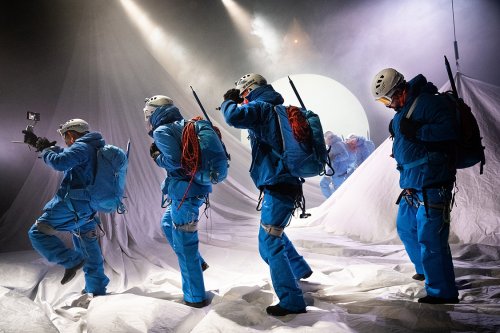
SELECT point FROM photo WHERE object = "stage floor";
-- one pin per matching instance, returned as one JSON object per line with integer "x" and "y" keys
{"x": 355, "y": 287}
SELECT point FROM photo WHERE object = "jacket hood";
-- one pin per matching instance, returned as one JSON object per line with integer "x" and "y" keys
{"x": 165, "y": 114}
{"x": 92, "y": 138}
{"x": 419, "y": 85}
{"x": 265, "y": 94}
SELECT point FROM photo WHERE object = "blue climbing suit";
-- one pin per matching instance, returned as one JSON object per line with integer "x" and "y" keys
{"x": 76, "y": 216}
{"x": 427, "y": 173}
{"x": 362, "y": 150}
{"x": 339, "y": 157}
{"x": 180, "y": 223}
{"x": 280, "y": 192}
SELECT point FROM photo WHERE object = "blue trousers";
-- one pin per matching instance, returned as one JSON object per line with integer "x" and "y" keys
{"x": 425, "y": 237}
{"x": 285, "y": 263}
{"x": 326, "y": 186}
{"x": 82, "y": 225}
{"x": 329, "y": 184}
{"x": 185, "y": 245}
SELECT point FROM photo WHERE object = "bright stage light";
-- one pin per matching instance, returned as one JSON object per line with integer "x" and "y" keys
{"x": 271, "y": 41}
{"x": 339, "y": 110}
{"x": 241, "y": 19}
{"x": 167, "y": 48}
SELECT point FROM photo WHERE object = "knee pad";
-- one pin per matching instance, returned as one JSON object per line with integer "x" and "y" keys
{"x": 188, "y": 227}
{"x": 89, "y": 235}
{"x": 45, "y": 228}
{"x": 272, "y": 230}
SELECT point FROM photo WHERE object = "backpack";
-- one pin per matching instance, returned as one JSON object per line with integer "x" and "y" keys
{"x": 106, "y": 191}
{"x": 470, "y": 150}
{"x": 304, "y": 150}
{"x": 204, "y": 155}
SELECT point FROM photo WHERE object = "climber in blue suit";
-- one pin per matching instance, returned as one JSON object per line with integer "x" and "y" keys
{"x": 281, "y": 190}
{"x": 66, "y": 214}
{"x": 180, "y": 221}
{"x": 339, "y": 157}
{"x": 359, "y": 149}
{"x": 424, "y": 149}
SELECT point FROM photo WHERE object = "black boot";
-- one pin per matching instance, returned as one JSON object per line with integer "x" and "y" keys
{"x": 196, "y": 304}
{"x": 204, "y": 266}
{"x": 438, "y": 300}
{"x": 278, "y": 311}
{"x": 308, "y": 274}
{"x": 69, "y": 273}
{"x": 418, "y": 277}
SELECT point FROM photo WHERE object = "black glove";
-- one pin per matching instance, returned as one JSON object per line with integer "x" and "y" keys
{"x": 43, "y": 143}
{"x": 234, "y": 95}
{"x": 154, "y": 151}
{"x": 30, "y": 138}
{"x": 409, "y": 128}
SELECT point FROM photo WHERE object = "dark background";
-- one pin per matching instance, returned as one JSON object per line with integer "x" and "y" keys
{"x": 348, "y": 41}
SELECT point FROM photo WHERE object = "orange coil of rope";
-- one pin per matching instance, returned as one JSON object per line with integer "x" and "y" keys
{"x": 190, "y": 159}
{"x": 298, "y": 123}
{"x": 190, "y": 153}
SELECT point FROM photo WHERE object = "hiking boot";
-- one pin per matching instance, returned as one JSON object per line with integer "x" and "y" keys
{"x": 438, "y": 300}
{"x": 69, "y": 273}
{"x": 278, "y": 311}
{"x": 418, "y": 277}
{"x": 204, "y": 266}
{"x": 308, "y": 274}
{"x": 196, "y": 304}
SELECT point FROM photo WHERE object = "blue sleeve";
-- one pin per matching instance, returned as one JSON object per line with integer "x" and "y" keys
{"x": 339, "y": 152}
{"x": 246, "y": 116}
{"x": 65, "y": 159}
{"x": 437, "y": 118}
{"x": 366, "y": 149}
{"x": 340, "y": 161}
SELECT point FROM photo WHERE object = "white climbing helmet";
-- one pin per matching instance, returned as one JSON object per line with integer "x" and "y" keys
{"x": 384, "y": 85}
{"x": 77, "y": 125}
{"x": 250, "y": 81}
{"x": 152, "y": 103}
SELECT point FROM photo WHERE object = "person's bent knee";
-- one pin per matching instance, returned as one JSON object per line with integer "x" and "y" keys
{"x": 41, "y": 228}
{"x": 272, "y": 230}
{"x": 90, "y": 235}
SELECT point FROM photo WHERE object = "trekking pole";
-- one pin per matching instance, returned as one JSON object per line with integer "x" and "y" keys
{"x": 201, "y": 105}
{"x": 208, "y": 119}
{"x": 296, "y": 93}
{"x": 450, "y": 77}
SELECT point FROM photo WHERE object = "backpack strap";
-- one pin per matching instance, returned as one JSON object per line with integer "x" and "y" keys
{"x": 412, "y": 108}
